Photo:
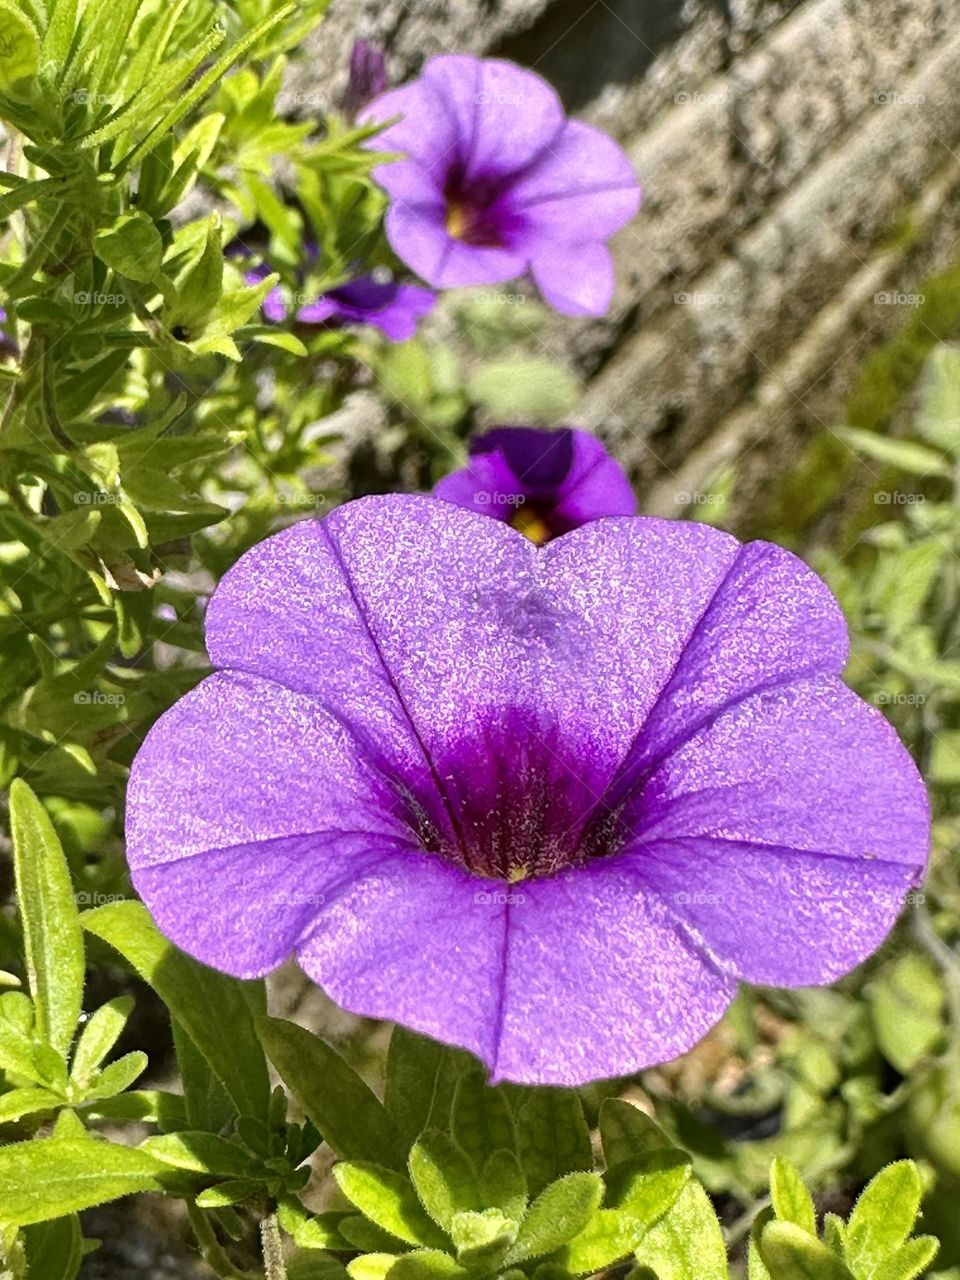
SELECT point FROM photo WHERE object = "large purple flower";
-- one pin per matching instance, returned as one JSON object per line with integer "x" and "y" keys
{"x": 495, "y": 182}
{"x": 544, "y": 483}
{"x": 550, "y": 804}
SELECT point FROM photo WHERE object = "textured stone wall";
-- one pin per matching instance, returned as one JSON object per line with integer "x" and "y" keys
{"x": 781, "y": 144}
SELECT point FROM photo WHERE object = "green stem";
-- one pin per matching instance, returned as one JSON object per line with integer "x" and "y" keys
{"x": 274, "y": 1267}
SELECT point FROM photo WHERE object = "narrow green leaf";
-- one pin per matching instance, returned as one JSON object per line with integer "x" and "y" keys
{"x": 132, "y": 247}
{"x": 100, "y": 1033}
{"x": 225, "y": 1194}
{"x": 790, "y": 1253}
{"x": 938, "y": 419}
{"x": 118, "y": 1076}
{"x": 792, "y": 1201}
{"x": 58, "y": 35}
{"x": 442, "y": 1177}
{"x": 53, "y": 939}
{"x": 422, "y": 1264}
{"x": 208, "y": 1105}
{"x": 46, "y": 1178}
{"x": 884, "y": 1215}
{"x": 24, "y": 1102}
{"x": 212, "y": 1008}
{"x": 20, "y": 49}
{"x": 375, "y": 1266}
{"x": 916, "y": 459}
{"x": 17, "y": 1053}
{"x": 389, "y": 1200}
{"x": 482, "y": 1119}
{"x": 199, "y": 1153}
{"x": 687, "y": 1243}
{"x": 557, "y": 1216}
{"x": 344, "y": 1109}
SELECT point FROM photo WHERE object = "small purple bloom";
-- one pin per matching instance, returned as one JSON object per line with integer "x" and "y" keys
{"x": 550, "y": 804}
{"x": 7, "y": 345}
{"x": 497, "y": 182}
{"x": 395, "y": 309}
{"x": 368, "y": 78}
{"x": 544, "y": 483}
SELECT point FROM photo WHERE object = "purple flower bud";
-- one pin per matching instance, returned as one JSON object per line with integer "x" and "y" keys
{"x": 368, "y": 78}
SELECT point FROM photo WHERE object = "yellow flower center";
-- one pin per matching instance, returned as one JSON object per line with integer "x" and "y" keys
{"x": 531, "y": 526}
{"x": 458, "y": 220}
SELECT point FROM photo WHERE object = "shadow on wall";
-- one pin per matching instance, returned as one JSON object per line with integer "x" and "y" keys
{"x": 582, "y": 48}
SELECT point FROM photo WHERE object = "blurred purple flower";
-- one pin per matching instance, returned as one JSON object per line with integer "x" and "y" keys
{"x": 544, "y": 483}
{"x": 395, "y": 309}
{"x": 368, "y": 78}
{"x": 7, "y": 345}
{"x": 496, "y": 181}
{"x": 550, "y": 804}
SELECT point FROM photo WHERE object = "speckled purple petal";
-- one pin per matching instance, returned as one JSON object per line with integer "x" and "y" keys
{"x": 598, "y": 981}
{"x": 247, "y": 805}
{"x": 770, "y": 914}
{"x": 805, "y": 764}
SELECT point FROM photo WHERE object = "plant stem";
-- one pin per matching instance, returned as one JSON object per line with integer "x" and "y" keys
{"x": 272, "y": 1249}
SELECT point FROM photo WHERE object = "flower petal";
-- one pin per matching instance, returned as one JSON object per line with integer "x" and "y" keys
{"x": 598, "y": 981}
{"x": 506, "y": 114}
{"x": 582, "y": 188}
{"x": 576, "y": 280}
{"x": 410, "y": 942}
{"x": 770, "y": 914}
{"x": 247, "y": 805}
{"x": 807, "y": 765}
{"x": 426, "y": 131}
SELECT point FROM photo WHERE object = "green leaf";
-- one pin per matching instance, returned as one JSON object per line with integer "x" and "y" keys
{"x": 552, "y": 1134}
{"x": 792, "y": 1201}
{"x": 132, "y": 247}
{"x": 687, "y": 1243}
{"x": 48, "y": 1177}
{"x": 790, "y": 1253}
{"x": 483, "y": 1238}
{"x": 503, "y": 1184}
{"x": 52, "y": 937}
{"x": 208, "y": 1105}
{"x": 100, "y": 1033}
{"x": 482, "y": 1119}
{"x": 19, "y": 49}
{"x": 24, "y": 1102}
{"x": 910, "y": 1260}
{"x": 557, "y": 1216}
{"x": 442, "y": 1177}
{"x": 646, "y": 1187}
{"x": 421, "y": 1078}
{"x": 213, "y": 1009}
{"x": 627, "y": 1132}
{"x": 388, "y": 1199}
{"x": 345, "y": 1110}
{"x": 199, "y": 1153}
{"x": 17, "y": 1052}
{"x": 225, "y": 1194}
{"x": 374, "y": 1266}
{"x": 906, "y": 1003}
{"x": 902, "y": 581}
{"x": 54, "y": 1250}
{"x": 423, "y": 1264}
{"x": 607, "y": 1238}
{"x": 904, "y": 454}
{"x": 944, "y": 767}
{"x": 884, "y": 1215}
{"x": 938, "y": 419}
{"x": 58, "y": 35}
{"x": 198, "y": 292}
{"x": 523, "y": 389}
{"x": 117, "y": 1076}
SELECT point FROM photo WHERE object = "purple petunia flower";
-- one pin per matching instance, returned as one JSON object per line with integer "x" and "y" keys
{"x": 395, "y": 309}
{"x": 497, "y": 182}
{"x": 544, "y": 483}
{"x": 550, "y": 804}
{"x": 368, "y": 78}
